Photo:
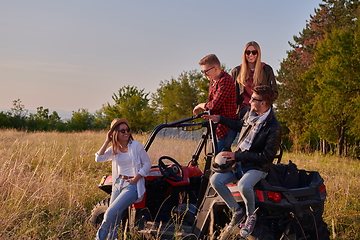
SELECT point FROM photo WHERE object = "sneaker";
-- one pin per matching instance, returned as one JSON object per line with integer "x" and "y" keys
{"x": 236, "y": 219}
{"x": 248, "y": 228}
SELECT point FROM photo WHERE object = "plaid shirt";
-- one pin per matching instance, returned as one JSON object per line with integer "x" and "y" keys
{"x": 222, "y": 100}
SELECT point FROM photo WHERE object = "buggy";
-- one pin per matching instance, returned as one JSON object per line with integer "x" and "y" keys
{"x": 181, "y": 204}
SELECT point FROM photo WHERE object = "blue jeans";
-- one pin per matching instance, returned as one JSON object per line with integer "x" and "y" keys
{"x": 245, "y": 185}
{"x": 224, "y": 144}
{"x": 122, "y": 196}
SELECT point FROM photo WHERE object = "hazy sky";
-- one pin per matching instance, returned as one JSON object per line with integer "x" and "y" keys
{"x": 71, "y": 54}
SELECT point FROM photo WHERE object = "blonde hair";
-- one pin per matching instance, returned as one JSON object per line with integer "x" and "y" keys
{"x": 244, "y": 74}
{"x": 114, "y": 140}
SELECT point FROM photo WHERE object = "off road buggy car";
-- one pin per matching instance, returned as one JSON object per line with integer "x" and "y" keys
{"x": 181, "y": 204}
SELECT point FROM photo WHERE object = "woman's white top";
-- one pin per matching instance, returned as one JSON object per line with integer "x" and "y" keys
{"x": 140, "y": 163}
{"x": 125, "y": 164}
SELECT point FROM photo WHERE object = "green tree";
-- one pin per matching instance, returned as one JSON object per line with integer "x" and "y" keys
{"x": 292, "y": 103}
{"x": 336, "y": 80}
{"x": 39, "y": 120}
{"x": 56, "y": 123}
{"x": 175, "y": 99}
{"x": 18, "y": 114}
{"x": 81, "y": 120}
{"x": 43, "y": 121}
{"x": 132, "y": 104}
{"x": 295, "y": 98}
{"x": 101, "y": 120}
{"x": 5, "y": 120}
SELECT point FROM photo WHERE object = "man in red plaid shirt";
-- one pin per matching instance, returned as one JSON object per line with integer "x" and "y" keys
{"x": 221, "y": 100}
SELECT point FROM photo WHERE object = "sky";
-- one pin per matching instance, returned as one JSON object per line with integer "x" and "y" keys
{"x": 75, "y": 54}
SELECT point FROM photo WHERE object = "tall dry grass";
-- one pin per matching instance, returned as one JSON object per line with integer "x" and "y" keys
{"x": 48, "y": 184}
{"x": 342, "y": 180}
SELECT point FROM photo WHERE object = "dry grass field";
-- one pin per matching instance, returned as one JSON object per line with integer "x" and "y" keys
{"x": 48, "y": 185}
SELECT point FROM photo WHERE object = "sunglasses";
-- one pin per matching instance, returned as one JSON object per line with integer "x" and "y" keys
{"x": 255, "y": 99}
{"x": 254, "y": 52}
{"x": 124, "y": 130}
{"x": 205, "y": 71}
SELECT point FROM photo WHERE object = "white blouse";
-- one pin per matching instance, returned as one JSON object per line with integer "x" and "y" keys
{"x": 140, "y": 160}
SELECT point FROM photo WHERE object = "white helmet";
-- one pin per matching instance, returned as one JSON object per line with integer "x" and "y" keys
{"x": 222, "y": 164}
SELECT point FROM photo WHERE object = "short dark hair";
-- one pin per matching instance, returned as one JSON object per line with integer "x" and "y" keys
{"x": 210, "y": 59}
{"x": 266, "y": 92}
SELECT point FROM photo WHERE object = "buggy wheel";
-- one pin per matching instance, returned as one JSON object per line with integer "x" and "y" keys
{"x": 97, "y": 213}
{"x": 261, "y": 232}
{"x": 321, "y": 233}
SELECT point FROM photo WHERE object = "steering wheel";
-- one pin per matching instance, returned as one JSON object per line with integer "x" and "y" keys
{"x": 171, "y": 173}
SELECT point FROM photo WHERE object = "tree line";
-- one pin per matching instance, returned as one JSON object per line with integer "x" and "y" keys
{"x": 319, "y": 98}
{"x": 173, "y": 100}
{"x": 319, "y": 93}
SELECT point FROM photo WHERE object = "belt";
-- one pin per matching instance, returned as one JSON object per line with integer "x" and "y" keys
{"x": 124, "y": 177}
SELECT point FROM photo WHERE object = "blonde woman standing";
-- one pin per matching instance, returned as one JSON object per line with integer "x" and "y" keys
{"x": 130, "y": 164}
{"x": 251, "y": 73}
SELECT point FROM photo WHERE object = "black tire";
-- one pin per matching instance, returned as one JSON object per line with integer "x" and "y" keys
{"x": 261, "y": 232}
{"x": 322, "y": 233}
{"x": 97, "y": 213}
